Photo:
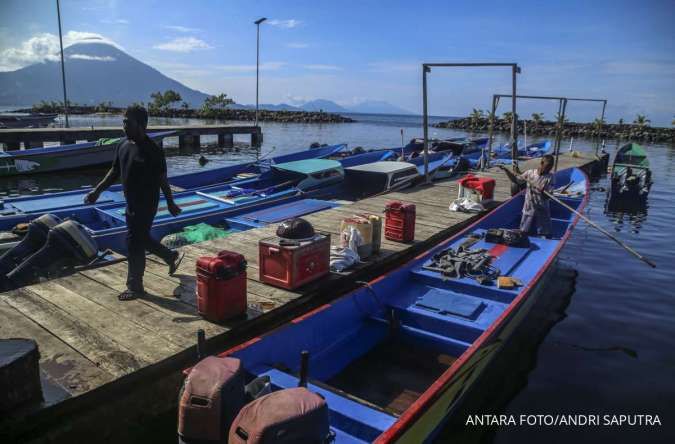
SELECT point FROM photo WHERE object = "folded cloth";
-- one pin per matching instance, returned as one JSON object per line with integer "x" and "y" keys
{"x": 466, "y": 205}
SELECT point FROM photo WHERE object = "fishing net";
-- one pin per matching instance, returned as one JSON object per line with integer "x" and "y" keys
{"x": 195, "y": 233}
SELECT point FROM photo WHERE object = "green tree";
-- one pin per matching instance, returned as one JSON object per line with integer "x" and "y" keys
{"x": 559, "y": 120}
{"x": 641, "y": 121}
{"x": 476, "y": 116}
{"x": 213, "y": 104}
{"x": 164, "y": 100}
{"x": 537, "y": 118}
{"x": 598, "y": 125}
{"x": 620, "y": 123}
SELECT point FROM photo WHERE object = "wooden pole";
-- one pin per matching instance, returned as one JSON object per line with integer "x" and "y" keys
{"x": 597, "y": 227}
{"x": 602, "y": 230}
{"x": 425, "y": 122}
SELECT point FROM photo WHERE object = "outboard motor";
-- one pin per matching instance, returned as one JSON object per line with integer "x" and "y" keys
{"x": 294, "y": 415}
{"x": 35, "y": 238}
{"x": 68, "y": 244}
{"x": 210, "y": 399}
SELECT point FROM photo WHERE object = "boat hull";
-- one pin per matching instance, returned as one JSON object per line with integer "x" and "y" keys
{"x": 451, "y": 396}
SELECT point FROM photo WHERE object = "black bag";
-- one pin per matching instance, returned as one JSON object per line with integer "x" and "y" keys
{"x": 504, "y": 236}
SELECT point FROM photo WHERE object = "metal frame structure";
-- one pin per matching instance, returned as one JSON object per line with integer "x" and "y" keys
{"x": 562, "y": 108}
{"x": 562, "y": 104}
{"x": 426, "y": 68}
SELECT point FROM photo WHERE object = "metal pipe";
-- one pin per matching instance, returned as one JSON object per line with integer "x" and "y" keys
{"x": 495, "y": 103}
{"x": 63, "y": 66}
{"x": 562, "y": 122}
{"x": 514, "y": 118}
{"x": 257, "y": 74}
{"x": 425, "y": 122}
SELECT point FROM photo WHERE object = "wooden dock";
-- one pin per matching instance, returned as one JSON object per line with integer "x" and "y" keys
{"x": 188, "y": 135}
{"x": 108, "y": 366}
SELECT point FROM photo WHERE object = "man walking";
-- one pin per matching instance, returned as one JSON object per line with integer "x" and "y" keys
{"x": 536, "y": 207}
{"x": 141, "y": 165}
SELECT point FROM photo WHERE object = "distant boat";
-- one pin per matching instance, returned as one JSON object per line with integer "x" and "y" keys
{"x": 395, "y": 358}
{"x": 630, "y": 178}
{"x": 26, "y": 120}
{"x": 62, "y": 157}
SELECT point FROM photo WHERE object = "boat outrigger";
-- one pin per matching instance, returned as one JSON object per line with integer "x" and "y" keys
{"x": 394, "y": 359}
{"x": 631, "y": 178}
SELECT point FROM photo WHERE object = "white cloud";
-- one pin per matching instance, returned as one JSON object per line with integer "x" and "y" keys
{"x": 319, "y": 67}
{"x": 183, "y": 44}
{"x": 183, "y": 29}
{"x": 90, "y": 57}
{"x": 268, "y": 66}
{"x": 394, "y": 66}
{"x": 45, "y": 47}
{"x": 285, "y": 24}
{"x": 297, "y": 45}
{"x": 115, "y": 21}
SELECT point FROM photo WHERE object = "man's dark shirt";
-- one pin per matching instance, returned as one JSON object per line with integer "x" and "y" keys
{"x": 140, "y": 167}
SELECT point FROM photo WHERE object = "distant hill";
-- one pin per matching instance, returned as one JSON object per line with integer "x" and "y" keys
{"x": 95, "y": 73}
{"x": 99, "y": 72}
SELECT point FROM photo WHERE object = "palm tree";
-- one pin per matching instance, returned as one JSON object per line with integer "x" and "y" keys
{"x": 537, "y": 118}
{"x": 560, "y": 120}
{"x": 598, "y": 125}
{"x": 476, "y": 116}
{"x": 641, "y": 121}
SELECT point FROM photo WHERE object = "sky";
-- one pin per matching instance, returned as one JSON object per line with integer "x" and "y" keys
{"x": 353, "y": 51}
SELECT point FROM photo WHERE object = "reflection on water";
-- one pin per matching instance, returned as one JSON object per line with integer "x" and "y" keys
{"x": 626, "y": 214}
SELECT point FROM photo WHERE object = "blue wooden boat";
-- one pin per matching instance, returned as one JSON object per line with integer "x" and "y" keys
{"x": 24, "y": 208}
{"x": 63, "y": 157}
{"x": 395, "y": 358}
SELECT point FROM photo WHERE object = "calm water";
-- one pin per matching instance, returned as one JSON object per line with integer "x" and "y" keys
{"x": 601, "y": 340}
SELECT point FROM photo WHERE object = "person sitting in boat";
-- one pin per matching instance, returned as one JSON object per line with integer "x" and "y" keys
{"x": 141, "y": 165}
{"x": 536, "y": 207}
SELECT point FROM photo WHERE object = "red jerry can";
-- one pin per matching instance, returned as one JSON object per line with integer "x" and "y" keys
{"x": 399, "y": 223}
{"x": 221, "y": 286}
{"x": 290, "y": 264}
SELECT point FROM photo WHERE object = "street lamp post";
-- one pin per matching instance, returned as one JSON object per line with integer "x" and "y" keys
{"x": 257, "y": 65}
{"x": 63, "y": 66}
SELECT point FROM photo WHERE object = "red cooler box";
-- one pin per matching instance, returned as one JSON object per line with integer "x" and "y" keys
{"x": 221, "y": 286}
{"x": 399, "y": 224}
{"x": 290, "y": 264}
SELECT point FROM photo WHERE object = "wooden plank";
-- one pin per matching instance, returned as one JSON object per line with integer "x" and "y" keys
{"x": 170, "y": 318}
{"x": 98, "y": 348}
{"x": 62, "y": 364}
{"x": 144, "y": 343}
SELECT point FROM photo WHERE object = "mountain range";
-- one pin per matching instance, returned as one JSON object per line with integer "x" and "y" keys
{"x": 99, "y": 72}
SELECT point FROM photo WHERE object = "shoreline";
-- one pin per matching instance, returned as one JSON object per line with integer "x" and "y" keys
{"x": 570, "y": 129}
{"x": 224, "y": 114}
